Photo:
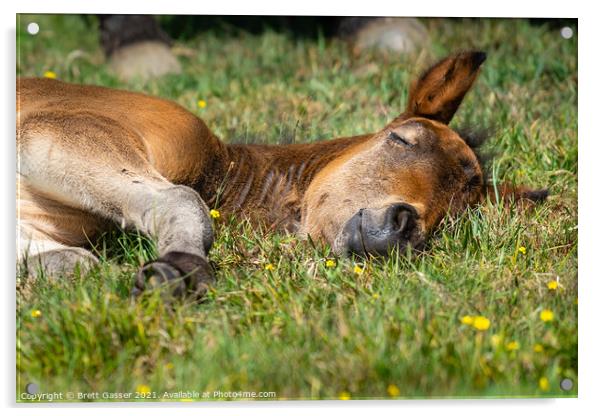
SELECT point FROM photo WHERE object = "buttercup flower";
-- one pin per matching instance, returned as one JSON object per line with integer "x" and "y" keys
{"x": 481, "y": 323}
{"x": 269, "y": 266}
{"x": 357, "y": 269}
{"x": 214, "y": 214}
{"x": 393, "y": 390}
{"x": 478, "y": 322}
{"x": 546, "y": 315}
{"x": 36, "y": 313}
{"x": 496, "y": 340}
{"x": 344, "y": 395}
{"x": 467, "y": 320}
{"x": 201, "y": 103}
{"x": 143, "y": 389}
{"x": 537, "y": 348}
{"x": 544, "y": 384}
{"x": 553, "y": 285}
{"x": 50, "y": 74}
{"x": 522, "y": 249}
{"x": 330, "y": 263}
{"x": 512, "y": 346}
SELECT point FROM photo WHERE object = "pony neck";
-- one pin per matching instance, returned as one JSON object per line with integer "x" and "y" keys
{"x": 267, "y": 182}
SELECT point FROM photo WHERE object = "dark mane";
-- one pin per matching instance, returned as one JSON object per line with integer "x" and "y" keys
{"x": 476, "y": 138}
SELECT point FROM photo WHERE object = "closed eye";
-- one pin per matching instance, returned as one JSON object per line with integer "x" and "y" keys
{"x": 474, "y": 182}
{"x": 399, "y": 139}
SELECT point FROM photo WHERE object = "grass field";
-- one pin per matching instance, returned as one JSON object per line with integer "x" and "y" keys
{"x": 279, "y": 319}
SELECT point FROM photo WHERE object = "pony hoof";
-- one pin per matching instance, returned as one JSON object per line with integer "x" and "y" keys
{"x": 158, "y": 275}
{"x": 176, "y": 274}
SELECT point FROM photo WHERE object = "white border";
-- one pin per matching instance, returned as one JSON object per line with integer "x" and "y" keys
{"x": 590, "y": 278}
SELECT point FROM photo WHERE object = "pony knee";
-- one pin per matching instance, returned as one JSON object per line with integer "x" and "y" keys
{"x": 180, "y": 221}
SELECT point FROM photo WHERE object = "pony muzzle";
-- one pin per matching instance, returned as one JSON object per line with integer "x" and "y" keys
{"x": 378, "y": 232}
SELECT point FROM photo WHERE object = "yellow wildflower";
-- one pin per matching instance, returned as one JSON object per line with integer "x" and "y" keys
{"x": 50, "y": 74}
{"x": 481, "y": 323}
{"x": 214, "y": 214}
{"x": 393, "y": 390}
{"x": 496, "y": 340}
{"x": 330, "y": 263}
{"x": 357, "y": 269}
{"x": 344, "y": 395}
{"x": 522, "y": 249}
{"x": 512, "y": 346}
{"x": 169, "y": 366}
{"x": 553, "y": 285}
{"x": 375, "y": 296}
{"x": 143, "y": 389}
{"x": 36, "y": 313}
{"x": 537, "y": 348}
{"x": 546, "y": 315}
{"x": 269, "y": 266}
{"x": 544, "y": 384}
{"x": 467, "y": 320}
{"x": 201, "y": 103}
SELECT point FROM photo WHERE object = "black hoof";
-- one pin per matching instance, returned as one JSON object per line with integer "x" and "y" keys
{"x": 176, "y": 274}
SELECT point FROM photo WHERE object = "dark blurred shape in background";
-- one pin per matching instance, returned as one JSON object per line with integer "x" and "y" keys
{"x": 138, "y": 46}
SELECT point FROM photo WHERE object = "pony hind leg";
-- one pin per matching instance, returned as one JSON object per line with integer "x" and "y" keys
{"x": 51, "y": 234}
{"x": 40, "y": 255}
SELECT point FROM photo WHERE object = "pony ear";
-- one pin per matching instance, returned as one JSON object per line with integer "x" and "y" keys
{"x": 437, "y": 94}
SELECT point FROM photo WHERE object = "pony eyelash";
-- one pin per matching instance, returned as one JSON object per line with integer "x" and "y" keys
{"x": 396, "y": 137}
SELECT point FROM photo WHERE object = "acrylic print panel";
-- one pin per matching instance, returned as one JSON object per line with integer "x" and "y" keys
{"x": 281, "y": 208}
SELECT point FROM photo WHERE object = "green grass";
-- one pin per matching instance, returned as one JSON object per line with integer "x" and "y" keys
{"x": 304, "y": 330}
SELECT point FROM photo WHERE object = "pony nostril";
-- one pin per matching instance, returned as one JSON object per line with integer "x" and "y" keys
{"x": 377, "y": 232}
{"x": 400, "y": 218}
